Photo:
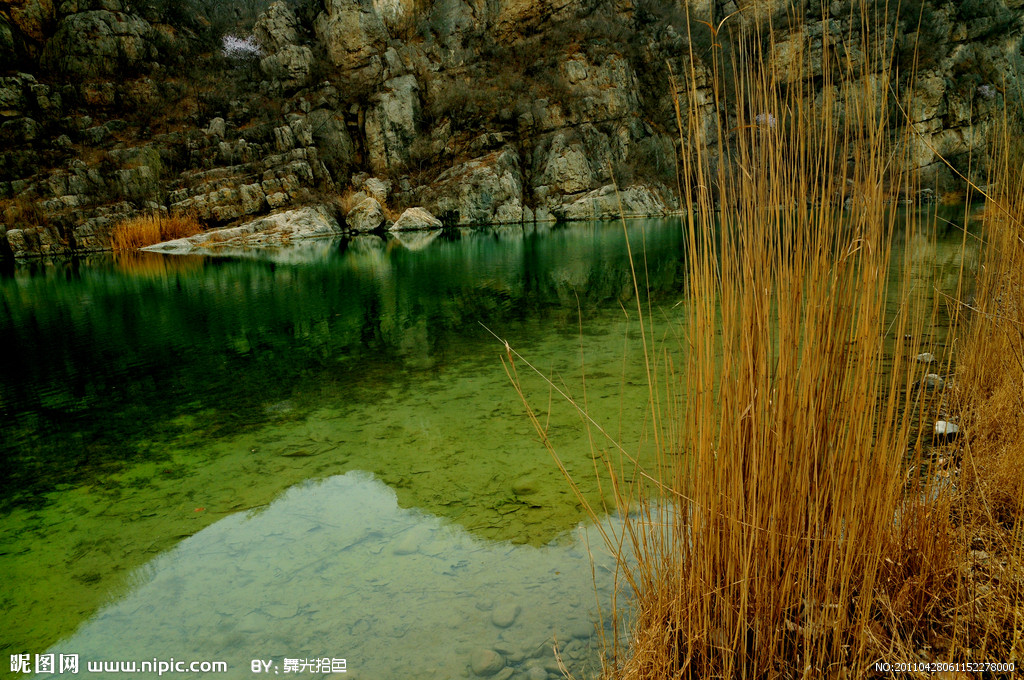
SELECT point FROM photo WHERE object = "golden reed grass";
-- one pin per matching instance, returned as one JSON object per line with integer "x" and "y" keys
{"x": 145, "y": 230}
{"x": 794, "y": 523}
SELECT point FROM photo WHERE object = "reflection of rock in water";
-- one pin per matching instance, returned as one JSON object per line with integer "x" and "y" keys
{"x": 337, "y": 569}
{"x": 416, "y": 240}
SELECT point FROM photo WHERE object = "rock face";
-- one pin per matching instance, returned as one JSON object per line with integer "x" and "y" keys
{"x": 354, "y": 35}
{"x": 604, "y": 203}
{"x": 480, "y": 111}
{"x": 391, "y": 123}
{"x": 278, "y": 229}
{"x": 287, "y": 63}
{"x": 416, "y": 219}
{"x": 485, "y": 190}
{"x": 99, "y": 43}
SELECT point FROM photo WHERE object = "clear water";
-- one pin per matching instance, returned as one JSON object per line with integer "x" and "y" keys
{"x": 317, "y": 452}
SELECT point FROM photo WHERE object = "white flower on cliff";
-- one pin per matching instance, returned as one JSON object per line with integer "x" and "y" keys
{"x": 241, "y": 49}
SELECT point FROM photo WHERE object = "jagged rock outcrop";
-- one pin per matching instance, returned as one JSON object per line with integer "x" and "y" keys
{"x": 287, "y": 63}
{"x": 604, "y": 203}
{"x": 353, "y": 35}
{"x": 391, "y": 123}
{"x": 485, "y": 190}
{"x": 98, "y": 43}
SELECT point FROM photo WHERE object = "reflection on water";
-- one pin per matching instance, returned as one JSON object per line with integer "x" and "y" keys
{"x": 335, "y": 569}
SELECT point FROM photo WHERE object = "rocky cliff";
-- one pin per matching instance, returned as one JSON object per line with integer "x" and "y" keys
{"x": 480, "y": 111}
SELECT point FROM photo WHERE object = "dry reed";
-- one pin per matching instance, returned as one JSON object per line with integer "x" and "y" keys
{"x": 145, "y": 230}
{"x": 793, "y": 524}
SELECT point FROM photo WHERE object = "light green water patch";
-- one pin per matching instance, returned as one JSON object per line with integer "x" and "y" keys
{"x": 291, "y": 581}
{"x": 452, "y": 441}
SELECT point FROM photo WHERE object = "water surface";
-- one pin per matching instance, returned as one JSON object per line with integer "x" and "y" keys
{"x": 317, "y": 452}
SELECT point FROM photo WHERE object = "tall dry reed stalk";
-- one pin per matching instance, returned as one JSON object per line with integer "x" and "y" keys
{"x": 792, "y": 524}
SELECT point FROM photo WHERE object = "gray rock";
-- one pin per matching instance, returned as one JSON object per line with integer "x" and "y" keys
{"x": 98, "y": 43}
{"x": 289, "y": 67}
{"x": 217, "y": 128}
{"x": 391, "y": 123}
{"x": 504, "y": 615}
{"x": 333, "y": 141}
{"x": 926, "y": 357}
{"x": 537, "y": 673}
{"x": 486, "y": 662}
{"x": 945, "y": 429}
{"x": 276, "y": 28}
{"x": 378, "y": 188}
{"x": 566, "y": 169}
{"x": 352, "y": 34}
{"x": 932, "y": 381}
{"x": 366, "y": 216}
{"x": 416, "y": 219}
{"x": 485, "y": 190}
{"x": 603, "y": 203}
{"x": 273, "y": 230}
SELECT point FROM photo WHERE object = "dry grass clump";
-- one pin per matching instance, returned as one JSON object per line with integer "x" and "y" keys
{"x": 794, "y": 525}
{"x": 145, "y": 230}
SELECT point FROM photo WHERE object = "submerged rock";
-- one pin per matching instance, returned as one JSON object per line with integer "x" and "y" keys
{"x": 504, "y": 615}
{"x": 932, "y": 381}
{"x": 485, "y": 662}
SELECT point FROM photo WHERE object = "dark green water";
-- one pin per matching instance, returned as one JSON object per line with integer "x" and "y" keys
{"x": 317, "y": 453}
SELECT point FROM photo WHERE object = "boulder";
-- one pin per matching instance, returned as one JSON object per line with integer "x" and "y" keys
{"x": 391, "y": 123}
{"x": 416, "y": 219}
{"x": 485, "y": 190}
{"x": 99, "y": 43}
{"x": 366, "y": 216}
{"x": 272, "y": 230}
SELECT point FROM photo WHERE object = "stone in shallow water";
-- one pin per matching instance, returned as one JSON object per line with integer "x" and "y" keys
{"x": 926, "y": 357}
{"x": 504, "y": 615}
{"x": 485, "y": 662}
{"x": 537, "y": 673}
{"x": 932, "y": 381}
{"x": 946, "y": 429}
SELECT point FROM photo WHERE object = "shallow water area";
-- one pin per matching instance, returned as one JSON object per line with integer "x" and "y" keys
{"x": 334, "y": 569}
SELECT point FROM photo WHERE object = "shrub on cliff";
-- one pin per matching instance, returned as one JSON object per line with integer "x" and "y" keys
{"x": 139, "y": 232}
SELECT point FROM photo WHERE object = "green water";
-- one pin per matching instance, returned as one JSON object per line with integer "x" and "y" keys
{"x": 317, "y": 452}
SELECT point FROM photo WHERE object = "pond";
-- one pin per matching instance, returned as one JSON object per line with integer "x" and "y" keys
{"x": 307, "y": 455}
